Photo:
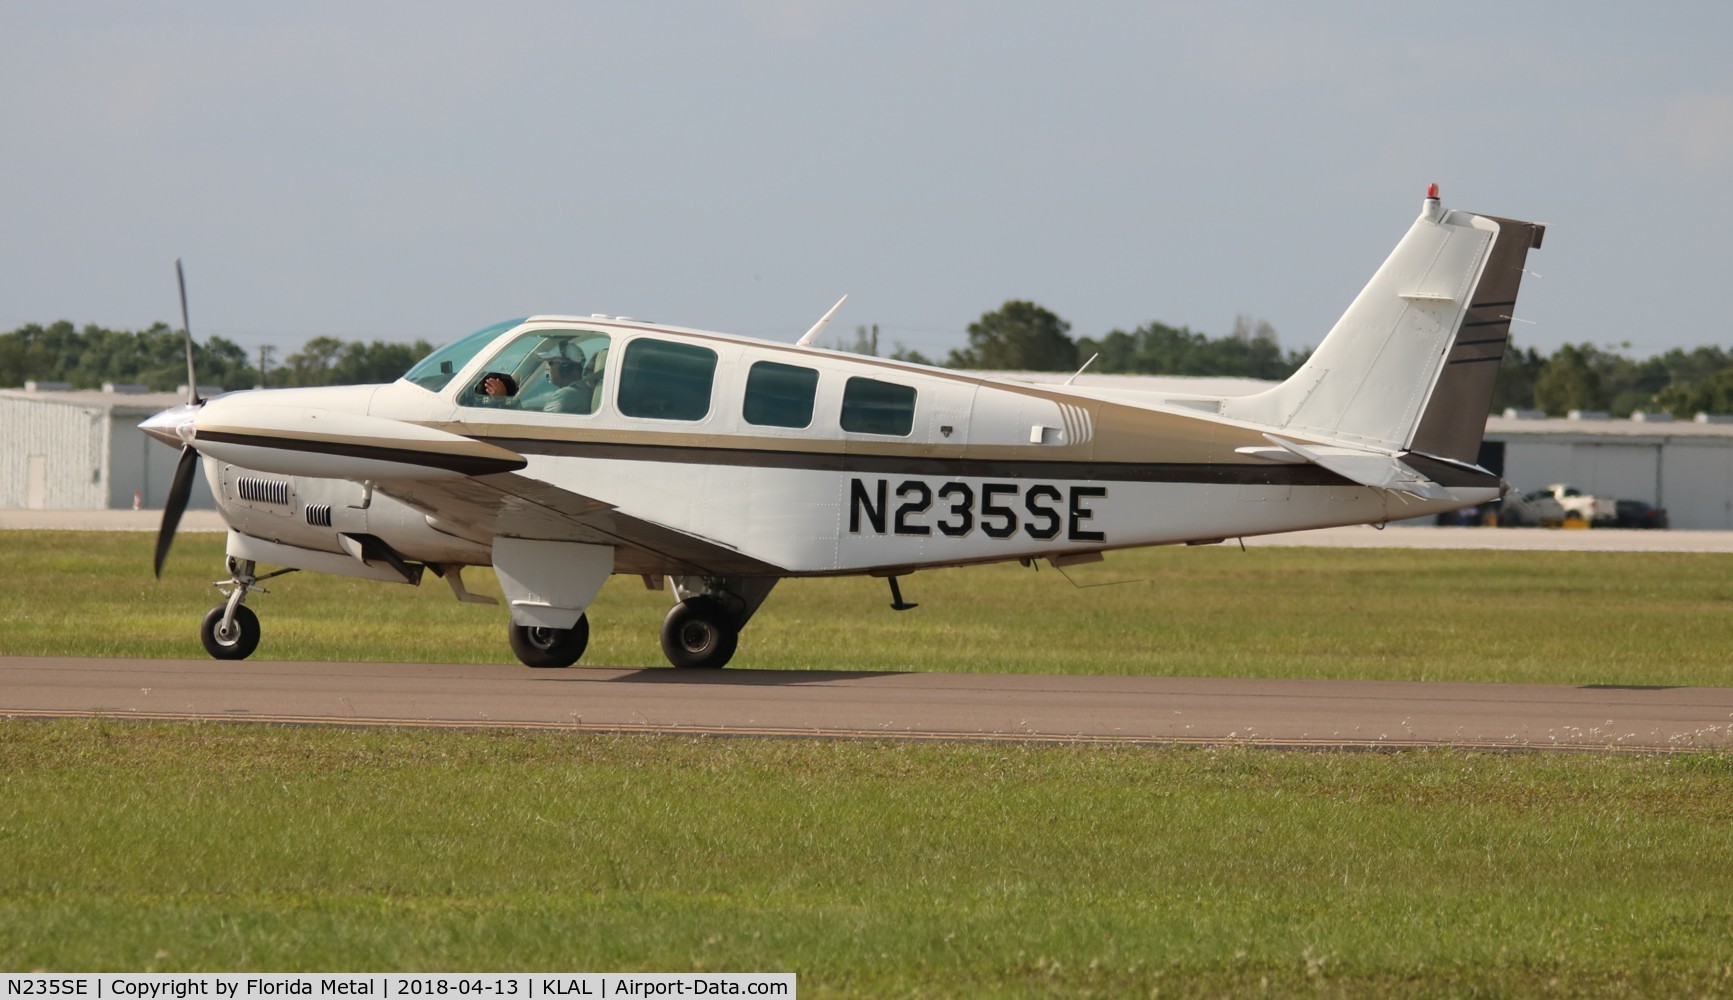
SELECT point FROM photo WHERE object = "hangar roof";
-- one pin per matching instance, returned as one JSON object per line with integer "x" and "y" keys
{"x": 1653, "y": 428}
{"x": 122, "y": 402}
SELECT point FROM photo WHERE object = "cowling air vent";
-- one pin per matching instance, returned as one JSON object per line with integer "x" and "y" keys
{"x": 319, "y": 515}
{"x": 256, "y": 490}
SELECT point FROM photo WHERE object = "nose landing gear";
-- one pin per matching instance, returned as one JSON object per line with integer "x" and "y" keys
{"x": 230, "y": 631}
{"x": 230, "y": 635}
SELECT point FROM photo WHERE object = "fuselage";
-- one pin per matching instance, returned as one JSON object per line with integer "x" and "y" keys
{"x": 781, "y": 460}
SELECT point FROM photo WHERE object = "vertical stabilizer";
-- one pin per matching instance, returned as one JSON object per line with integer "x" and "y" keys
{"x": 1411, "y": 363}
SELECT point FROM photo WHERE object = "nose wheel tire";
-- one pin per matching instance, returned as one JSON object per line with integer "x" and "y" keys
{"x": 238, "y": 641}
{"x": 699, "y": 633}
{"x": 550, "y": 647}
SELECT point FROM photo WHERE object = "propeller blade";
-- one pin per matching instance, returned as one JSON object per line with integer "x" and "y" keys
{"x": 187, "y": 325}
{"x": 179, "y": 491}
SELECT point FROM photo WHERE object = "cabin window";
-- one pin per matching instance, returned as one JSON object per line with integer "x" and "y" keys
{"x": 663, "y": 380}
{"x": 873, "y": 407}
{"x": 780, "y": 395}
{"x": 547, "y": 371}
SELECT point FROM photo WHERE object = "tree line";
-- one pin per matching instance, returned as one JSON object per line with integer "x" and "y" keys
{"x": 156, "y": 358}
{"x": 1023, "y": 336}
{"x": 1018, "y": 336}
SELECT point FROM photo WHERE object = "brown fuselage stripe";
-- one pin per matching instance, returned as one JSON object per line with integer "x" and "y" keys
{"x": 1244, "y": 474}
{"x": 1270, "y": 474}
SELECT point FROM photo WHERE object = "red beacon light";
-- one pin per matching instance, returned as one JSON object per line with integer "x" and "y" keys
{"x": 1431, "y": 209}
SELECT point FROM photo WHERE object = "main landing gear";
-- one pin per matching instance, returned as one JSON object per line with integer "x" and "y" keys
{"x": 702, "y": 631}
{"x": 550, "y": 647}
{"x": 699, "y": 632}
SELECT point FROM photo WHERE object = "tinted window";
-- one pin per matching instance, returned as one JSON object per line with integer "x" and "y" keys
{"x": 436, "y": 370}
{"x": 666, "y": 381}
{"x": 873, "y": 407}
{"x": 780, "y": 395}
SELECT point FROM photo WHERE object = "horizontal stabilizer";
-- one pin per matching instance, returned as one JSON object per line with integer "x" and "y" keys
{"x": 1368, "y": 468}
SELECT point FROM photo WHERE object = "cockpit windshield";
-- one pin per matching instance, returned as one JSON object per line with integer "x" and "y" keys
{"x": 436, "y": 370}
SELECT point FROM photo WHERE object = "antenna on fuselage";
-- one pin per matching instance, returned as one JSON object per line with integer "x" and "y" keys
{"x": 811, "y": 335}
{"x": 1086, "y": 364}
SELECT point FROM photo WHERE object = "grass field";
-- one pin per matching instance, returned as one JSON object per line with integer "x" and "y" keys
{"x": 883, "y": 869}
{"x": 1558, "y": 617}
{"x": 871, "y": 869}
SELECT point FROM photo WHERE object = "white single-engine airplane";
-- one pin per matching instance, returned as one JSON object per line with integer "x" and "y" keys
{"x": 560, "y": 450}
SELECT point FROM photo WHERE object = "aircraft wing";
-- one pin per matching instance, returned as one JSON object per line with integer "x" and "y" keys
{"x": 518, "y": 506}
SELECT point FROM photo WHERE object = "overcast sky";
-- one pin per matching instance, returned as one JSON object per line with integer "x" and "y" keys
{"x": 395, "y": 171}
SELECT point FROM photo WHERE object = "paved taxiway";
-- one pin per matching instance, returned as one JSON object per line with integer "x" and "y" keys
{"x": 900, "y": 705}
{"x": 894, "y": 705}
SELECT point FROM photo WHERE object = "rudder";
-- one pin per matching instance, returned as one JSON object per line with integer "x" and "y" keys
{"x": 1454, "y": 420}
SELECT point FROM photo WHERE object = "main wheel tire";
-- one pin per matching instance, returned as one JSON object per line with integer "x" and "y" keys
{"x": 550, "y": 647}
{"x": 699, "y": 633}
{"x": 239, "y": 641}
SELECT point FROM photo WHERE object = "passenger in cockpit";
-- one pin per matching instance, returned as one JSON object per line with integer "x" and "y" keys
{"x": 572, "y": 392}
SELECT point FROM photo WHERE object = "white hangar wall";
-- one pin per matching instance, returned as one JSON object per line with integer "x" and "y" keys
{"x": 53, "y": 455}
{"x": 84, "y": 451}
{"x": 1683, "y": 466}
{"x": 1699, "y": 473}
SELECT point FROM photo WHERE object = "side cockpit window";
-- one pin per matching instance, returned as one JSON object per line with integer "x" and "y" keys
{"x": 665, "y": 380}
{"x": 780, "y": 395}
{"x": 873, "y": 407}
{"x": 548, "y": 371}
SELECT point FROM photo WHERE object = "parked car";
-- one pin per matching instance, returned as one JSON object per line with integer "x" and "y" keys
{"x": 1554, "y": 505}
{"x": 1637, "y": 514}
{"x": 1469, "y": 517}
